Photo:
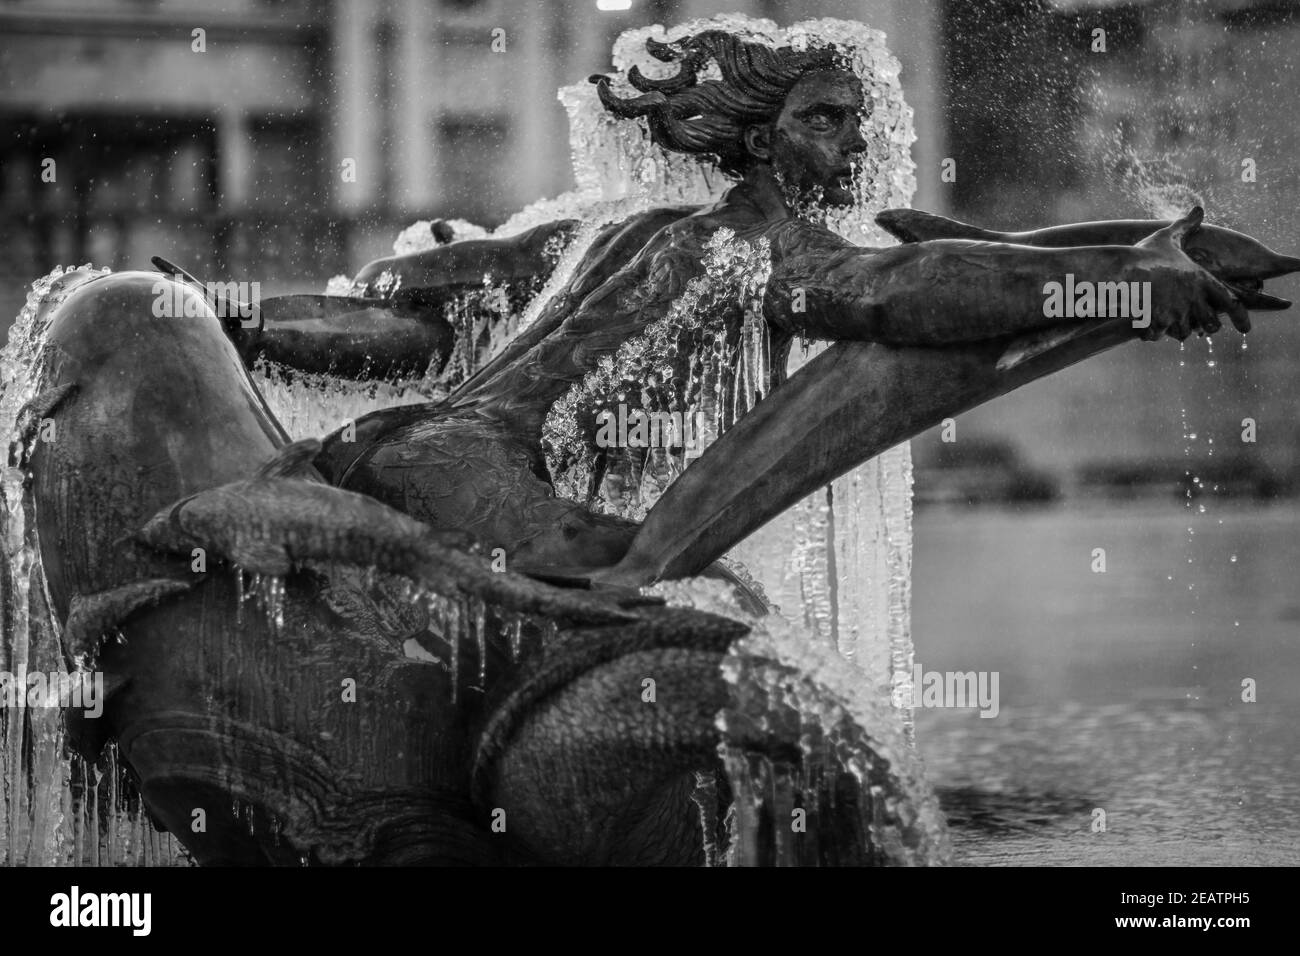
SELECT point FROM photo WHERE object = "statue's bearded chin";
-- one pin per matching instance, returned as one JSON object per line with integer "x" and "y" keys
{"x": 808, "y": 177}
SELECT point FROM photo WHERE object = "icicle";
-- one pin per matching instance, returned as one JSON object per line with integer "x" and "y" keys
{"x": 96, "y": 776}
{"x": 270, "y": 594}
{"x": 744, "y": 808}
{"x": 705, "y": 797}
{"x": 516, "y": 626}
{"x": 781, "y": 798}
{"x": 896, "y": 470}
{"x": 451, "y": 632}
{"x": 78, "y": 812}
{"x": 479, "y": 610}
{"x": 114, "y": 806}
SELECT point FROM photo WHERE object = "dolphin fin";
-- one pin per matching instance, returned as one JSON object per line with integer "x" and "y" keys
{"x": 170, "y": 268}
{"x": 293, "y": 459}
{"x": 912, "y": 225}
{"x": 1025, "y": 347}
{"x": 46, "y": 402}
{"x": 30, "y": 416}
{"x": 90, "y": 616}
{"x": 558, "y": 578}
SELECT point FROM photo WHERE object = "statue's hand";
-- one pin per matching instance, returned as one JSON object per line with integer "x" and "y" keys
{"x": 1184, "y": 297}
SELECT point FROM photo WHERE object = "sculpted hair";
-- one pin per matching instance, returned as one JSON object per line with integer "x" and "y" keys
{"x": 689, "y": 116}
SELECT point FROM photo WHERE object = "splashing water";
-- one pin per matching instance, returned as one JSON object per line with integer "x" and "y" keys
{"x": 1158, "y": 186}
{"x": 309, "y": 405}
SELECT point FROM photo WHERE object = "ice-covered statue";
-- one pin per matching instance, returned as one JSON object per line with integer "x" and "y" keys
{"x": 400, "y": 643}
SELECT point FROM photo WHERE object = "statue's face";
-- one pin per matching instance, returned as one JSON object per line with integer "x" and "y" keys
{"x": 816, "y": 137}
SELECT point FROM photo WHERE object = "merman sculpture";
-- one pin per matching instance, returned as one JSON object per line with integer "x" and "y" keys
{"x": 442, "y": 707}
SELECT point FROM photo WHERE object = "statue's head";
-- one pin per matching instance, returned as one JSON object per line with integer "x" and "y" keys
{"x": 797, "y": 112}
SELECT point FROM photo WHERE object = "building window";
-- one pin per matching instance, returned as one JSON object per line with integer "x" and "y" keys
{"x": 285, "y": 163}
{"x": 117, "y": 164}
{"x": 468, "y": 7}
{"x": 474, "y": 160}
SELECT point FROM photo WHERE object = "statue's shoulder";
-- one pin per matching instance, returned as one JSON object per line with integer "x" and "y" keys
{"x": 665, "y": 215}
{"x": 798, "y": 237}
{"x": 647, "y": 237}
{"x": 644, "y": 225}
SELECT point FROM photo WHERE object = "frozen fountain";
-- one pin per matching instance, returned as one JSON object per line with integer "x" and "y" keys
{"x": 224, "y": 583}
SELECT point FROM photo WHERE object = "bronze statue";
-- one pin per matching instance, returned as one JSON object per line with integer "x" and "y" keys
{"x": 541, "y": 718}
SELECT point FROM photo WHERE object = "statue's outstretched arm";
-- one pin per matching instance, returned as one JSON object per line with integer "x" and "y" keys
{"x": 395, "y": 324}
{"x": 959, "y": 291}
{"x": 526, "y": 256}
{"x": 364, "y": 338}
{"x": 1230, "y": 256}
{"x": 398, "y": 325}
{"x": 913, "y": 225}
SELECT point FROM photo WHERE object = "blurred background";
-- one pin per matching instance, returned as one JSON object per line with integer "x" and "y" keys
{"x": 1120, "y": 688}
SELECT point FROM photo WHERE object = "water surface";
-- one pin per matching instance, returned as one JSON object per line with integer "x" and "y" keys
{"x": 1119, "y": 690}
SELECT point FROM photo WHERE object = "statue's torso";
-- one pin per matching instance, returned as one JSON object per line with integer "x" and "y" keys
{"x": 653, "y": 320}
